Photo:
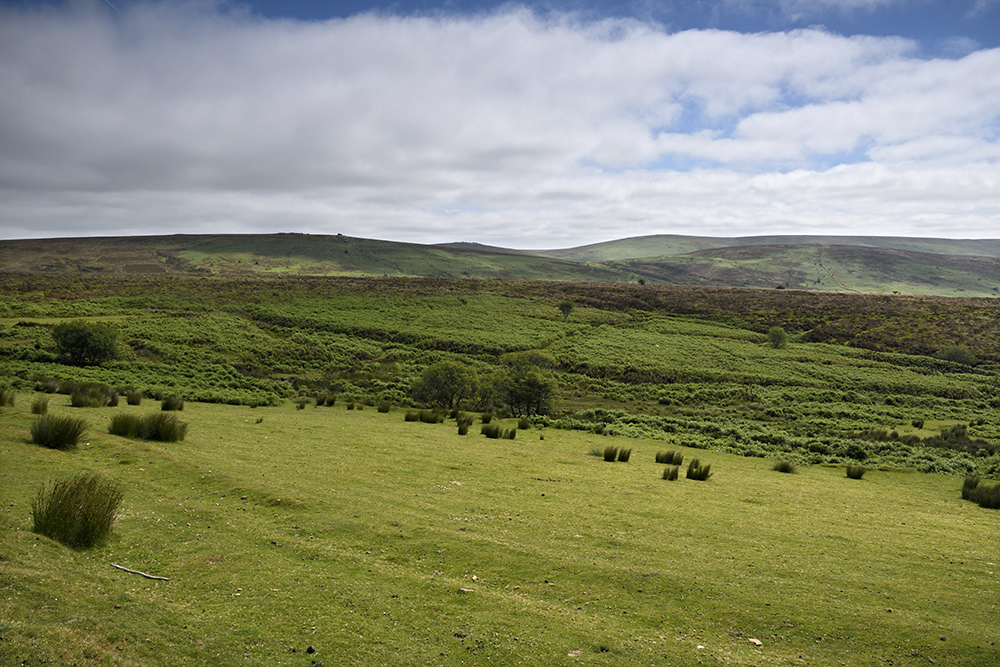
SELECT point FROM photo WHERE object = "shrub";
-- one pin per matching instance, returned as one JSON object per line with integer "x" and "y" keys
{"x": 670, "y": 473}
{"x": 411, "y": 416}
{"x": 300, "y": 404}
{"x": 79, "y": 512}
{"x": 986, "y": 496}
{"x": 490, "y": 430}
{"x": 40, "y": 406}
{"x": 133, "y": 397}
{"x": 777, "y": 337}
{"x": 856, "y": 452}
{"x": 384, "y": 406}
{"x": 856, "y": 471}
{"x": 670, "y": 458}
{"x": 57, "y": 432}
{"x": 86, "y": 343}
{"x": 784, "y": 466}
{"x": 7, "y": 396}
{"x": 172, "y": 403}
{"x": 350, "y": 405}
{"x": 331, "y": 400}
{"x": 969, "y": 486}
{"x": 698, "y": 471}
{"x": 610, "y": 453}
{"x": 432, "y": 416}
{"x": 956, "y": 354}
{"x": 524, "y": 423}
{"x": 486, "y": 417}
{"x": 918, "y": 423}
{"x": 624, "y": 455}
{"x": 464, "y": 422}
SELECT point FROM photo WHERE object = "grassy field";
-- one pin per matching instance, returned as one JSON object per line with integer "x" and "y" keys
{"x": 373, "y": 541}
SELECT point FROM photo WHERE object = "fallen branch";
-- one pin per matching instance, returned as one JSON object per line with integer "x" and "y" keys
{"x": 143, "y": 574}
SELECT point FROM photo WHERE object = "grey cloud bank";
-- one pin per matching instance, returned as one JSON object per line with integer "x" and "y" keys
{"x": 505, "y": 128}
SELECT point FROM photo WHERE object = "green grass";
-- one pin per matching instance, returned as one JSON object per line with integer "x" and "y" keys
{"x": 353, "y": 532}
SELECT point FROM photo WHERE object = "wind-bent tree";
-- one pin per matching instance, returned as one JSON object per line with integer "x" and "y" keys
{"x": 445, "y": 384}
{"x": 566, "y": 307}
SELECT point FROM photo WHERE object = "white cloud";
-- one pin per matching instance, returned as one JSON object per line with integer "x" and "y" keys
{"x": 506, "y": 128}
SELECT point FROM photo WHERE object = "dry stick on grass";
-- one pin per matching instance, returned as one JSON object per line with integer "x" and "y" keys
{"x": 148, "y": 576}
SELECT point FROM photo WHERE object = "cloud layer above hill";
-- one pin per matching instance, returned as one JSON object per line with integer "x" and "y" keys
{"x": 506, "y": 127}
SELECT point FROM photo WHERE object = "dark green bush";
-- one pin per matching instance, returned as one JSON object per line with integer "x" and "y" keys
{"x": 670, "y": 473}
{"x": 350, "y": 405}
{"x": 918, "y": 423}
{"x": 40, "y": 406}
{"x": 698, "y": 471}
{"x": 57, "y": 432}
{"x": 432, "y": 416}
{"x": 384, "y": 406}
{"x": 624, "y": 455}
{"x": 133, "y": 397}
{"x": 411, "y": 416}
{"x": 856, "y": 471}
{"x": 79, "y": 512}
{"x": 7, "y": 397}
{"x": 524, "y": 423}
{"x": 777, "y": 337}
{"x": 784, "y": 466}
{"x": 487, "y": 417}
{"x": 494, "y": 431}
{"x": 172, "y": 403}
{"x": 610, "y": 453}
{"x": 986, "y": 496}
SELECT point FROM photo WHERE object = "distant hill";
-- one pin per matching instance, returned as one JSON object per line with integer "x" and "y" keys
{"x": 942, "y": 267}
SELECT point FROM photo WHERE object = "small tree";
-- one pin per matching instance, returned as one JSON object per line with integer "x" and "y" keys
{"x": 777, "y": 337}
{"x": 566, "y": 307}
{"x": 445, "y": 384}
{"x": 86, "y": 343}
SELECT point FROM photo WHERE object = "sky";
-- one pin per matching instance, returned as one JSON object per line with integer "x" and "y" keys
{"x": 525, "y": 125}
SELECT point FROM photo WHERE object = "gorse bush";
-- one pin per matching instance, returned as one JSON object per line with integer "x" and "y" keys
{"x": 172, "y": 403}
{"x": 697, "y": 471}
{"x": 79, "y": 512}
{"x": 670, "y": 473}
{"x": 156, "y": 426}
{"x": 57, "y": 432}
{"x": 40, "y": 406}
{"x": 856, "y": 471}
{"x": 784, "y": 466}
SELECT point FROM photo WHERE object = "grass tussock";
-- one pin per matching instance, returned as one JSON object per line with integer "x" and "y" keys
{"x": 610, "y": 453}
{"x": 856, "y": 471}
{"x": 79, "y": 512}
{"x": 411, "y": 416}
{"x": 172, "y": 403}
{"x": 624, "y": 455}
{"x": 40, "y": 406}
{"x": 464, "y": 421}
{"x": 7, "y": 397}
{"x": 698, "y": 471}
{"x": 673, "y": 458}
{"x": 134, "y": 397}
{"x": 784, "y": 466}
{"x": 57, "y": 432}
{"x": 670, "y": 473}
{"x": 384, "y": 407}
{"x": 156, "y": 426}
{"x": 984, "y": 495}
{"x": 90, "y": 395}
{"x": 524, "y": 423}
